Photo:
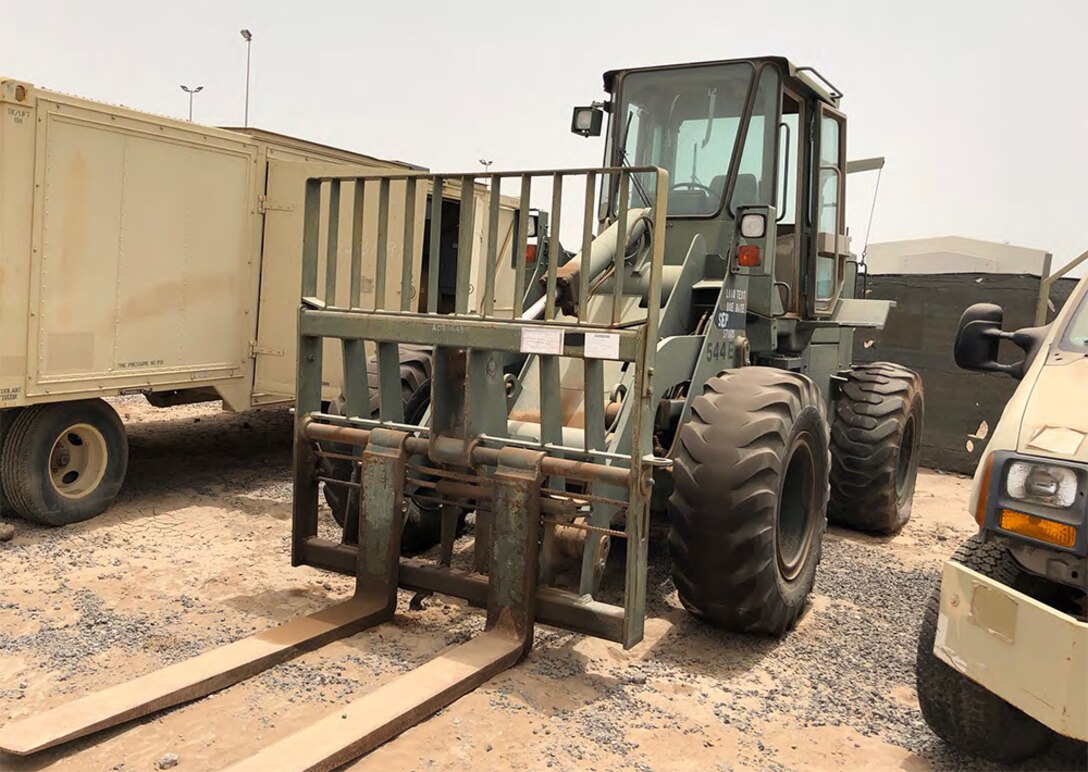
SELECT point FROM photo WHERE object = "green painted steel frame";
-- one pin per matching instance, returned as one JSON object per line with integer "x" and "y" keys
{"x": 468, "y": 406}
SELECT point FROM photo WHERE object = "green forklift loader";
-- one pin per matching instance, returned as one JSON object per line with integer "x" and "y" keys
{"x": 692, "y": 359}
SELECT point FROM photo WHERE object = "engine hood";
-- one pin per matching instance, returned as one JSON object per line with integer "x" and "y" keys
{"x": 1055, "y": 419}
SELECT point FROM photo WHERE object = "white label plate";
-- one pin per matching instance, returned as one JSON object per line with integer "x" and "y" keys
{"x": 602, "y": 345}
{"x": 541, "y": 340}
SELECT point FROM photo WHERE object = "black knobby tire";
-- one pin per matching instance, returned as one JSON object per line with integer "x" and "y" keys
{"x": 957, "y": 709}
{"x": 749, "y": 505}
{"x": 64, "y": 462}
{"x": 422, "y": 522}
{"x": 876, "y": 442}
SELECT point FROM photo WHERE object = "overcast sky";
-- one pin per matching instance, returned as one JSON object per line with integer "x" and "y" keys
{"x": 980, "y": 108}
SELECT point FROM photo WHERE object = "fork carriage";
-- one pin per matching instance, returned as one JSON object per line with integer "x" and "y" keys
{"x": 591, "y": 491}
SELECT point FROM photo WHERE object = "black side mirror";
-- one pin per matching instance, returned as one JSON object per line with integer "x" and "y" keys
{"x": 979, "y": 336}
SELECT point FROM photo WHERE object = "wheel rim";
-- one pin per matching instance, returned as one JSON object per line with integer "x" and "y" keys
{"x": 905, "y": 462}
{"x": 77, "y": 462}
{"x": 794, "y": 524}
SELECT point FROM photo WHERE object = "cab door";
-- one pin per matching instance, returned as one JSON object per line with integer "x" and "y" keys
{"x": 790, "y": 194}
{"x": 830, "y": 249}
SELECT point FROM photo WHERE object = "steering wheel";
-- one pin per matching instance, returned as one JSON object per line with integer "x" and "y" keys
{"x": 692, "y": 185}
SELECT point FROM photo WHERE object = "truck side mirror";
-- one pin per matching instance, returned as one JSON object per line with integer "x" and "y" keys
{"x": 978, "y": 337}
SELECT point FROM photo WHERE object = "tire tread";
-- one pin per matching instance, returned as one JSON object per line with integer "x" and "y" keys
{"x": 723, "y": 506}
{"x": 870, "y": 413}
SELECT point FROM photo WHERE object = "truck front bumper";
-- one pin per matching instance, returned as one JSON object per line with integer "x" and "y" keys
{"x": 1032, "y": 656}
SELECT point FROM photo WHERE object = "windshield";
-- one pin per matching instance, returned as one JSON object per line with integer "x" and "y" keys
{"x": 1076, "y": 333}
{"x": 686, "y": 120}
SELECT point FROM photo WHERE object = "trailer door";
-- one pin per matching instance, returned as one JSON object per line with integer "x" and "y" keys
{"x": 281, "y": 265}
{"x": 141, "y": 264}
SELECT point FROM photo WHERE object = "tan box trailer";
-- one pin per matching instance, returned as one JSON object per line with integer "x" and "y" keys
{"x": 141, "y": 254}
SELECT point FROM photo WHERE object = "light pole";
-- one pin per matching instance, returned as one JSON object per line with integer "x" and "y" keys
{"x": 248, "y": 37}
{"x": 486, "y": 165}
{"x": 190, "y": 92}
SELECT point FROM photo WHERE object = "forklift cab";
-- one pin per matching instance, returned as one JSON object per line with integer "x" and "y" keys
{"x": 756, "y": 155}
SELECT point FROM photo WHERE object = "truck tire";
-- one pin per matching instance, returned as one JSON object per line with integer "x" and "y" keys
{"x": 64, "y": 462}
{"x": 749, "y": 505}
{"x": 422, "y": 522}
{"x": 958, "y": 710}
{"x": 876, "y": 443}
{"x": 7, "y": 418}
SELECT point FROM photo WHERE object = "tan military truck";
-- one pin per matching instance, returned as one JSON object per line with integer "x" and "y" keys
{"x": 145, "y": 255}
{"x": 1003, "y": 649}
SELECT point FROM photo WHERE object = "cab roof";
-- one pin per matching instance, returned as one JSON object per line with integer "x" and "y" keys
{"x": 805, "y": 78}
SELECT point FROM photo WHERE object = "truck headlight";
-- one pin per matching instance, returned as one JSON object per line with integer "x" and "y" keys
{"x": 1054, "y": 486}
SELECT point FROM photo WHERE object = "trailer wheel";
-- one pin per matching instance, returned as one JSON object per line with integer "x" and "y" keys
{"x": 64, "y": 462}
{"x": 958, "y": 710}
{"x": 876, "y": 442}
{"x": 422, "y": 522}
{"x": 749, "y": 505}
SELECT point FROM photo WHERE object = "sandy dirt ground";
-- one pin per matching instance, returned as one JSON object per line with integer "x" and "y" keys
{"x": 194, "y": 554}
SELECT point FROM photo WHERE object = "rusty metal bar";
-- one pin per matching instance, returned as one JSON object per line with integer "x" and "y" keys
{"x": 465, "y": 244}
{"x": 588, "y": 216}
{"x": 356, "y": 385}
{"x": 621, "y": 246}
{"x": 584, "y": 498}
{"x": 435, "y": 257}
{"x": 491, "y": 261}
{"x": 558, "y": 608}
{"x": 551, "y": 406}
{"x": 641, "y": 416}
{"x": 362, "y": 725}
{"x": 408, "y": 251}
{"x": 588, "y": 528}
{"x": 547, "y": 506}
{"x": 593, "y": 404}
{"x": 332, "y": 243}
{"x": 190, "y": 679}
{"x": 355, "y": 286}
{"x": 390, "y": 399}
{"x": 553, "y": 246}
{"x": 585, "y": 170}
{"x": 381, "y": 257}
{"x": 311, "y": 227}
{"x": 337, "y": 481}
{"x": 520, "y": 244}
{"x": 308, "y": 370}
{"x": 577, "y": 470}
{"x": 421, "y": 329}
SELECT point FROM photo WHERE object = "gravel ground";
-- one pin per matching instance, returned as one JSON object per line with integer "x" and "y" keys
{"x": 194, "y": 554}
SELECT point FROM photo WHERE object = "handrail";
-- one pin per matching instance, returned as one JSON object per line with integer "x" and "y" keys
{"x": 835, "y": 93}
{"x": 1046, "y": 282}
